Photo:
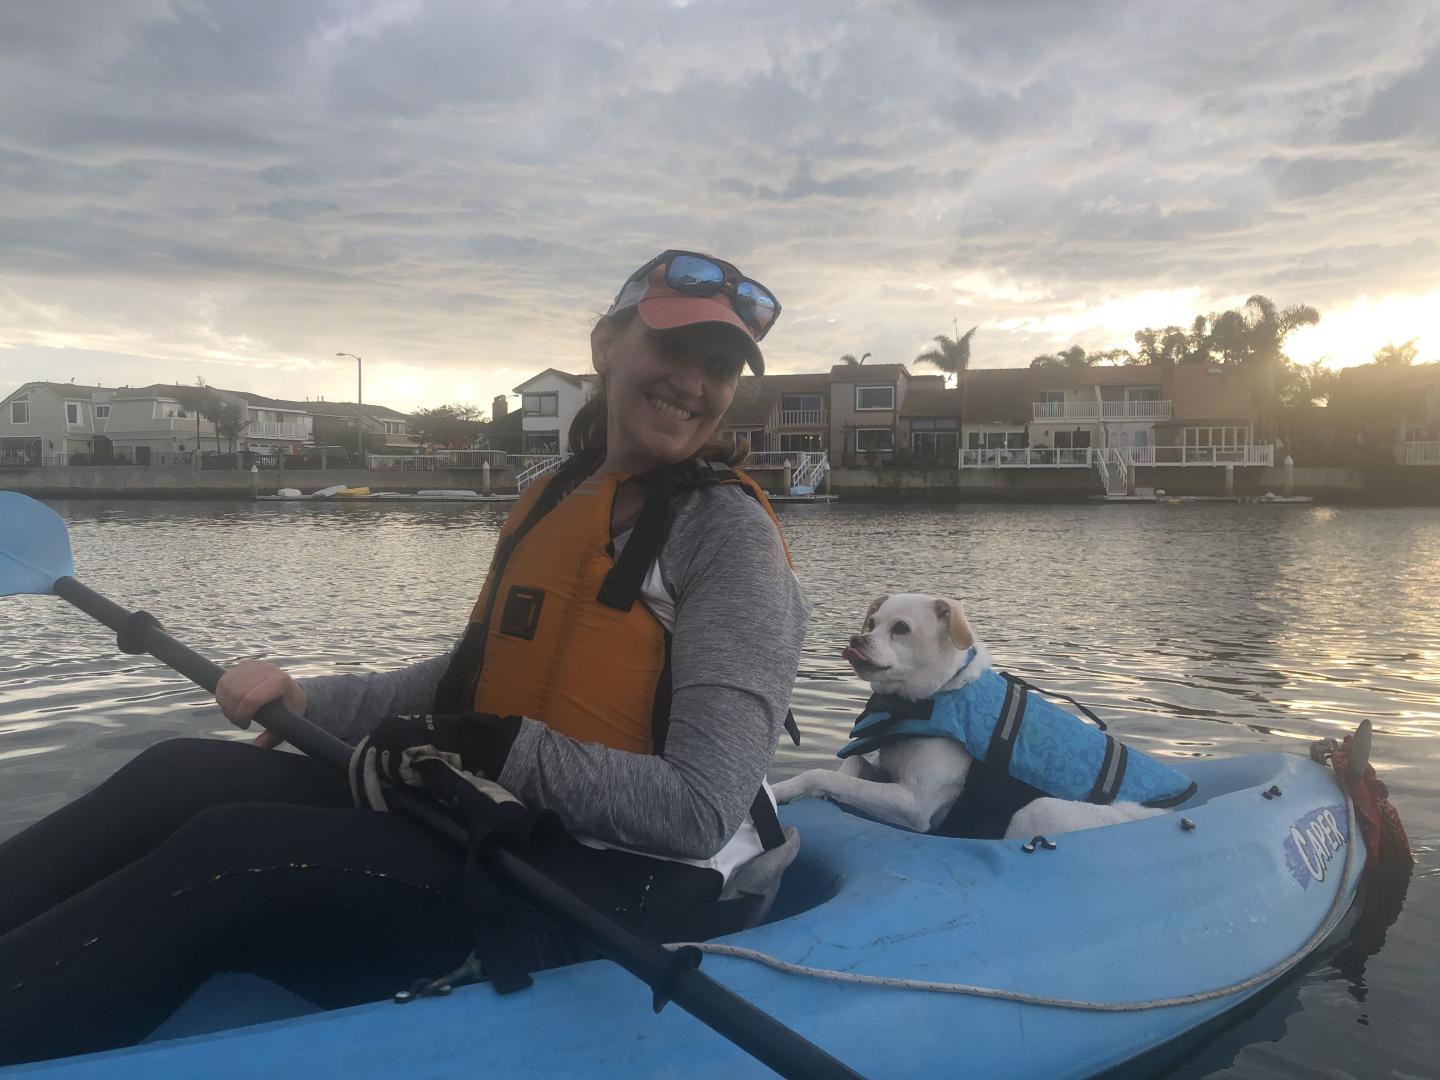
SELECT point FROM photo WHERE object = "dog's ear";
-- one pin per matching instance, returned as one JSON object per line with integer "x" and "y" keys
{"x": 952, "y": 617}
{"x": 875, "y": 606}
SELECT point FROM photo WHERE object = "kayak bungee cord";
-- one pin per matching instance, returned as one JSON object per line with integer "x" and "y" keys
{"x": 1331, "y": 920}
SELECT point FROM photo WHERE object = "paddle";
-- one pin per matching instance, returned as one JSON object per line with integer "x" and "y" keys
{"x": 35, "y": 558}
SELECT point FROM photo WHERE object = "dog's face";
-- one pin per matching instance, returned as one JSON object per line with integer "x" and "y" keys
{"x": 911, "y": 644}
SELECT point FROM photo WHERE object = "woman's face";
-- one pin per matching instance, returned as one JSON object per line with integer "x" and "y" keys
{"x": 667, "y": 389}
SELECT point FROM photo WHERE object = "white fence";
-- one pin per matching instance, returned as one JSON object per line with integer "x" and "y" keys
{"x": 1145, "y": 456}
{"x": 1030, "y": 458}
{"x": 445, "y": 459}
{"x": 1102, "y": 410}
{"x": 1421, "y": 453}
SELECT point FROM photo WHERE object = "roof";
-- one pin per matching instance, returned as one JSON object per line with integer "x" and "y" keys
{"x": 930, "y": 401}
{"x": 1370, "y": 393}
{"x": 574, "y": 379}
{"x": 757, "y": 395}
{"x": 887, "y": 374}
{"x": 998, "y": 395}
{"x": 1207, "y": 392}
{"x": 59, "y": 389}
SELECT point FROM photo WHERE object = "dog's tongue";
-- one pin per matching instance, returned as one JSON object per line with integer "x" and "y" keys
{"x": 855, "y": 656}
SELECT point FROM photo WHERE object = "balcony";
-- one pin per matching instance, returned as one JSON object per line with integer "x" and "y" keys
{"x": 809, "y": 418}
{"x": 1102, "y": 410}
{"x": 268, "y": 429}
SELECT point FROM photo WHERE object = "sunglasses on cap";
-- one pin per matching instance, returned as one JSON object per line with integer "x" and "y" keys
{"x": 693, "y": 274}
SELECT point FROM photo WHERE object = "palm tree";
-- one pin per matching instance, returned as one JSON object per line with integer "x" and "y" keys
{"x": 849, "y": 359}
{"x": 1268, "y": 327}
{"x": 953, "y": 355}
{"x": 1392, "y": 355}
{"x": 953, "y": 358}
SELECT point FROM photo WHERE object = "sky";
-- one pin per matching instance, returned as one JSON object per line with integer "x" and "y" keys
{"x": 236, "y": 190}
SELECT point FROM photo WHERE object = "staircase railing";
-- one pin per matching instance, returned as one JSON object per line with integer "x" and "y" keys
{"x": 540, "y": 468}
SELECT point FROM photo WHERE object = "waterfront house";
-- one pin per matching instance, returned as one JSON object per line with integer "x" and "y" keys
{"x": 274, "y": 427}
{"x": 45, "y": 423}
{"x": 1389, "y": 415}
{"x": 780, "y": 413}
{"x": 548, "y": 403}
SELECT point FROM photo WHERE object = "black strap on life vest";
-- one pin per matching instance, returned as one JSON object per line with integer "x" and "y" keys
{"x": 622, "y": 585}
{"x": 455, "y": 692}
{"x": 1056, "y": 694}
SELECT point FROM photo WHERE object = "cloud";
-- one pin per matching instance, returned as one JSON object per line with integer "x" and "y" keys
{"x": 454, "y": 189}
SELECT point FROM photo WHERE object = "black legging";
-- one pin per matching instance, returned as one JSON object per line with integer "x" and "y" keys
{"x": 202, "y": 856}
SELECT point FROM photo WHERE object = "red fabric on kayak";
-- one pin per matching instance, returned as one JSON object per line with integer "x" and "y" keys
{"x": 1385, "y": 839}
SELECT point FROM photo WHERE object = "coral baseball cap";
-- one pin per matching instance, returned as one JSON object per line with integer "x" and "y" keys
{"x": 662, "y": 307}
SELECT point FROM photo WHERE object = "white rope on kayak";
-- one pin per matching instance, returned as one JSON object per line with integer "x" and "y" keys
{"x": 1327, "y": 925}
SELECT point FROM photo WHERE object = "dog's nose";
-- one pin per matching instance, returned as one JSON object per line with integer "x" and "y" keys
{"x": 856, "y": 640}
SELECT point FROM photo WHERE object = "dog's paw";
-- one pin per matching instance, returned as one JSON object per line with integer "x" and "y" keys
{"x": 797, "y": 787}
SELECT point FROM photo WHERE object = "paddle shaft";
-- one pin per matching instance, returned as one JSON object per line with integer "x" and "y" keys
{"x": 754, "y": 1031}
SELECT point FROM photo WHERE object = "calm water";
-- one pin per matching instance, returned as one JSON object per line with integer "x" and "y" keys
{"x": 1196, "y": 630}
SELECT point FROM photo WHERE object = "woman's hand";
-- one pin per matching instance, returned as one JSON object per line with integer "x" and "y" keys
{"x": 250, "y": 684}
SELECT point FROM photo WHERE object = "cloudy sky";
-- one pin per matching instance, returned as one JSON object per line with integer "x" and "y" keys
{"x": 238, "y": 189}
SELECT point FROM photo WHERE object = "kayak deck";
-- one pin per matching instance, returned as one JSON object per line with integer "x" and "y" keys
{"x": 1128, "y": 913}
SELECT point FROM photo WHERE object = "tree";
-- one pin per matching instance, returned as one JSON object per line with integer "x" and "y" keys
{"x": 953, "y": 355}
{"x": 200, "y": 401}
{"x": 1391, "y": 355}
{"x": 1073, "y": 357}
{"x": 230, "y": 420}
{"x": 453, "y": 426}
{"x": 849, "y": 359}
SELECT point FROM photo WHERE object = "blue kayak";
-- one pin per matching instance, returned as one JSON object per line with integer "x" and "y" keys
{"x": 908, "y": 955}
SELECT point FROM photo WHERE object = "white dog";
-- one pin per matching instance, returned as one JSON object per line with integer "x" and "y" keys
{"x": 912, "y": 647}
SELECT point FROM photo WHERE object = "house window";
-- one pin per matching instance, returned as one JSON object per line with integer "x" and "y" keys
{"x": 542, "y": 442}
{"x": 997, "y": 440}
{"x": 875, "y": 440}
{"x": 102, "y": 412}
{"x": 936, "y": 445}
{"x": 938, "y": 424}
{"x": 72, "y": 412}
{"x": 1227, "y": 437}
{"x": 874, "y": 397}
{"x": 20, "y": 411}
{"x": 754, "y": 436}
{"x": 1078, "y": 439}
{"x": 394, "y": 427}
{"x": 1142, "y": 393}
{"x": 799, "y": 442}
{"x": 541, "y": 404}
{"x": 1052, "y": 397}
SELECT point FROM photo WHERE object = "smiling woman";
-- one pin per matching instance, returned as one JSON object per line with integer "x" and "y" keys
{"x": 598, "y": 678}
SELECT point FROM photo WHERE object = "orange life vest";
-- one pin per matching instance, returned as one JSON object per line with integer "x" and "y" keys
{"x": 556, "y": 634}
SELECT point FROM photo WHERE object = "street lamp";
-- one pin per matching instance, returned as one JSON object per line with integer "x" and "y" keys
{"x": 359, "y": 398}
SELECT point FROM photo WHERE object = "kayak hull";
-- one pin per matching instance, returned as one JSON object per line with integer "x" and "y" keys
{"x": 1147, "y": 910}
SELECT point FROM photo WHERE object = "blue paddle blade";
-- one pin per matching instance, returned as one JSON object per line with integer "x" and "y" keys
{"x": 34, "y": 546}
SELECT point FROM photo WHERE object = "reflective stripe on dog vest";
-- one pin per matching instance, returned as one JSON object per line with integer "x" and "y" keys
{"x": 1022, "y": 735}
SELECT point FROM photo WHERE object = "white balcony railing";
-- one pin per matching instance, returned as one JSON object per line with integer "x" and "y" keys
{"x": 1101, "y": 410}
{"x": 1421, "y": 453}
{"x": 268, "y": 429}
{"x": 1201, "y": 455}
{"x": 802, "y": 418}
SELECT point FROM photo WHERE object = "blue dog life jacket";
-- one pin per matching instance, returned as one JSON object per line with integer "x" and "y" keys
{"x": 1020, "y": 734}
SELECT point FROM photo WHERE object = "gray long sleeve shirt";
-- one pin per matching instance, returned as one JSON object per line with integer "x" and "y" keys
{"x": 739, "y": 621}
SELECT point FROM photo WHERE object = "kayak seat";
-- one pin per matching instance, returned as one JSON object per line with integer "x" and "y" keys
{"x": 758, "y": 881}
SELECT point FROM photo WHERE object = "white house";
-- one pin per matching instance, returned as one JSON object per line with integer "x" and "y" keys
{"x": 549, "y": 402}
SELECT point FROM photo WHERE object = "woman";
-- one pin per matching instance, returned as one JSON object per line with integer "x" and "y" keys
{"x": 642, "y": 713}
